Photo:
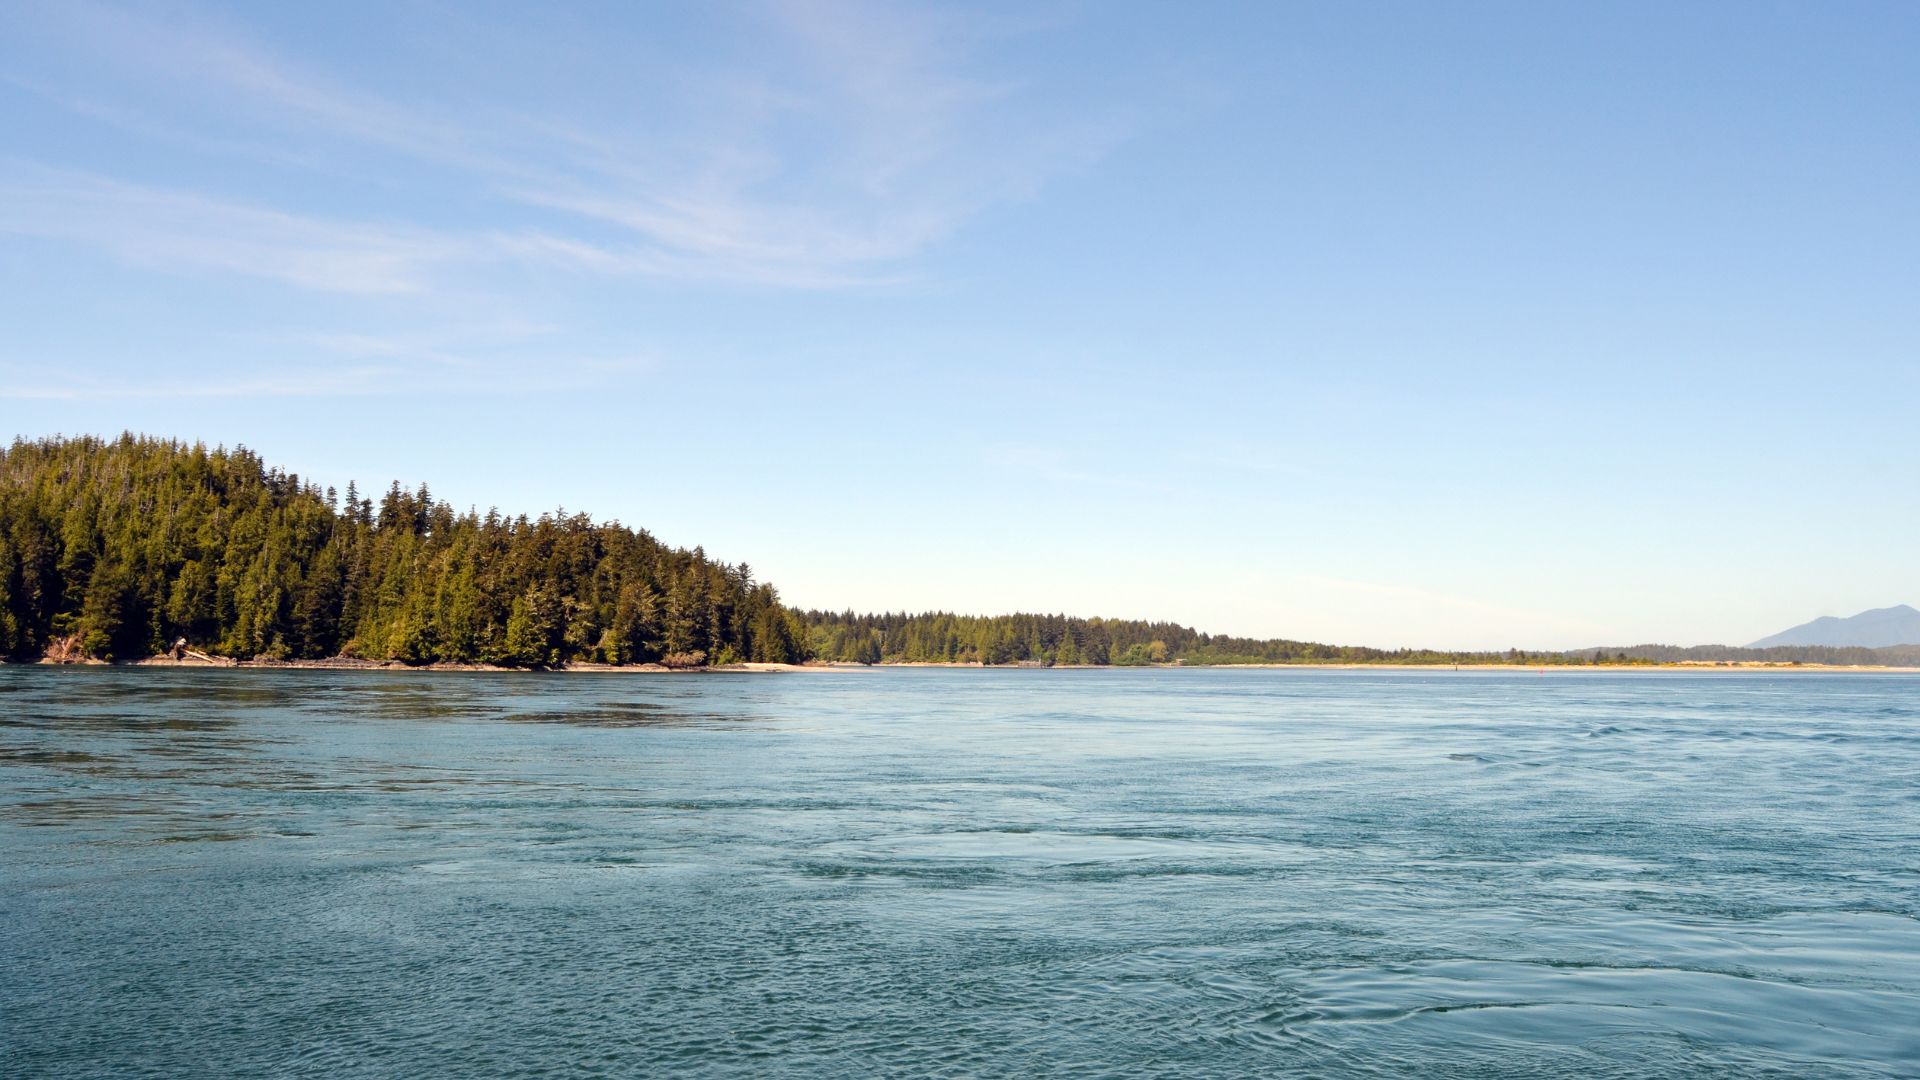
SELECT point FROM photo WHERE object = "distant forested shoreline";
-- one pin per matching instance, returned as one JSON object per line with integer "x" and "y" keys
{"x": 943, "y": 637}
{"x": 140, "y": 546}
{"x": 116, "y": 549}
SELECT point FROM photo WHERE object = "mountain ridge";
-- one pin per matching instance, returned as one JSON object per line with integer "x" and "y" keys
{"x": 1874, "y": 628}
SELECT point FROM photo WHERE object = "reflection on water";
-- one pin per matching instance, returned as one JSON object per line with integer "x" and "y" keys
{"x": 1180, "y": 873}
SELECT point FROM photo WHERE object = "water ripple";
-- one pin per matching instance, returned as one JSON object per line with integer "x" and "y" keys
{"x": 964, "y": 874}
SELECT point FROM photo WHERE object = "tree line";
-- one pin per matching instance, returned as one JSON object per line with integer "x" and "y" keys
{"x": 120, "y": 548}
{"x": 1837, "y": 655}
{"x": 945, "y": 638}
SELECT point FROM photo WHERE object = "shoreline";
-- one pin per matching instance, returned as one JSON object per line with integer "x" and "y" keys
{"x": 351, "y": 664}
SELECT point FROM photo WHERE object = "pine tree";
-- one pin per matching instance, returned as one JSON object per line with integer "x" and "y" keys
{"x": 133, "y": 543}
{"x": 1067, "y": 652}
{"x": 533, "y": 629}
{"x": 633, "y": 636}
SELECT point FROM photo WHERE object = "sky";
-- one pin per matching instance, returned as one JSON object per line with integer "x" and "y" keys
{"x": 1545, "y": 325}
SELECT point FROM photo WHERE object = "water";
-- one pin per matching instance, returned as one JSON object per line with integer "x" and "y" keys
{"x": 959, "y": 873}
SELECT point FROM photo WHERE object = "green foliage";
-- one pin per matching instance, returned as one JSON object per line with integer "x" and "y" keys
{"x": 116, "y": 548}
{"x": 119, "y": 547}
{"x": 942, "y": 637}
{"x": 1142, "y": 653}
{"x": 535, "y": 629}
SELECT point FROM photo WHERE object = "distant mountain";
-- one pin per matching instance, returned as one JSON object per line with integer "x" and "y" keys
{"x": 1870, "y": 629}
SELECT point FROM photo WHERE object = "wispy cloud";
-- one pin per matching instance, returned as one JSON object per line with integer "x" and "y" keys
{"x": 189, "y": 59}
{"x": 444, "y": 346}
{"x": 351, "y": 381}
{"x": 342, "y": 366}
{"x": 904, "y": 147}
{"x": 852, "y": 140}
{"x": 174, "y": 230}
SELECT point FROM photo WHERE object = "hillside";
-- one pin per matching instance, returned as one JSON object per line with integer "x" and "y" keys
{"x": 1878, "y": 628}
{"x": 117, "y": 549}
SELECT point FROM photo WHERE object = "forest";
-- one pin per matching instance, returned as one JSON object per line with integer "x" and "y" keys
{"x": 1839, "y": 656}
{"x": 118, "y": 549}
{"x": 944, "y": 638}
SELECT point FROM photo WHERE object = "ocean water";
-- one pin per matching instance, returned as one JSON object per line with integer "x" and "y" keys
{"x": 959, "y": 873}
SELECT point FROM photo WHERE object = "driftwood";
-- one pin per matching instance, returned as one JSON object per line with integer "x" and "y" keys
{"x": 217, "y": 661}
{"x": 63, "y": 650}
{"x": 179, "y": 651}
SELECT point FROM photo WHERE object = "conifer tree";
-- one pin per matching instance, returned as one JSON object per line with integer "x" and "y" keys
{"x": 120, "y": 547}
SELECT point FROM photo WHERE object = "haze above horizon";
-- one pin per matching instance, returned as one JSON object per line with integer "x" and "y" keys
{"x": 1500, "y": 325}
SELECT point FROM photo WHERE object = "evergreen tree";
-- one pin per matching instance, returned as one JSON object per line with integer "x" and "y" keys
{"x": 117, "y": 548}
{"x": 534, "y": 629}
{"x": 633, "y": 636}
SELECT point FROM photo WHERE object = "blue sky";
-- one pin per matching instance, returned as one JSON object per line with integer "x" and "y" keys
{"x": 1467, "y": 325}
